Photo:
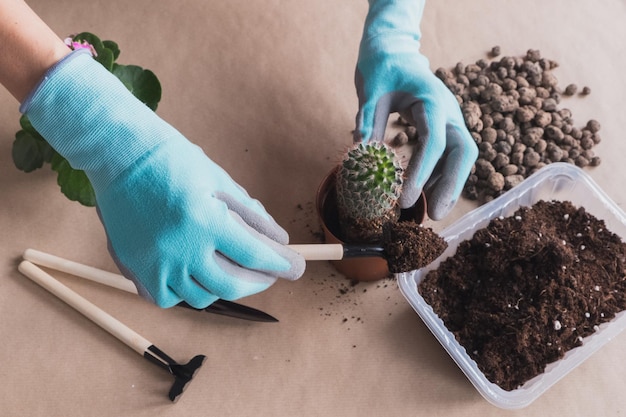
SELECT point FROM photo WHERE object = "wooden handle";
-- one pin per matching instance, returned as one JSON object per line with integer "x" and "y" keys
{"x": 310, "y": 252}
{"x": 320, "y": 251}
{"x": 132, "y": 339}
{"x": 83, "y": 271}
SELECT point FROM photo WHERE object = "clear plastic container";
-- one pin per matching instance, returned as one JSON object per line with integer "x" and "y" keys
{"x": 557, "y": 181}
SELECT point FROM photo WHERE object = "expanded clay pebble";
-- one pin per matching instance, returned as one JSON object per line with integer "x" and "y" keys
{"x": 511, "y": 108}
{"x": 570, "y": 90}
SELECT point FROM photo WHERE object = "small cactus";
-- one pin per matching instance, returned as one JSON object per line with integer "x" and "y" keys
{"x": 368, "y": 186}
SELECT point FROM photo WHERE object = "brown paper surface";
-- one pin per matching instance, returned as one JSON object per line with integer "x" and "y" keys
{"x": 266, "y": 88}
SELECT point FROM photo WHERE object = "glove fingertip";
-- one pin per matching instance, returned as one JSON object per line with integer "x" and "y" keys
{"x": 298, "y": 266}
{"x": 409, "y": 197}
{"x": 440, "y": 202}
{"x": 439, "y": 211}
{"x": 296, "y": 262}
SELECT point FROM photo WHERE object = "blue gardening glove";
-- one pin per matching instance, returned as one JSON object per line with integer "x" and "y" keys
{"x": 392, "y": 76}
{"x": 177, "y": 224}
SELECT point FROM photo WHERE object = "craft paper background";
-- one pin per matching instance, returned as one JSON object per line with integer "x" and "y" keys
{"x": 266, "y": 88}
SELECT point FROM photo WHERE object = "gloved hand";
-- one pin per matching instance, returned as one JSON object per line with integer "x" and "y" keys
{"x": 393, "y": 76}
{"x": 177, "y": 224}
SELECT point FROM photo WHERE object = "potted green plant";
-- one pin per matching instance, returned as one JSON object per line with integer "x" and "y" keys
{"x": 31, "y": 151}
{"x": 357, "y": 198}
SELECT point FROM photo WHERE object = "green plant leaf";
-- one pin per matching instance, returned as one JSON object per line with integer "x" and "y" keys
{"x": 74, "y": 183}
{"x": 44, "y": 147}
{"x": 30, "y": 151}
{"x": 27, "y": 126}
{"x": 113, "y": 47}
{"x": 26, "y": 152}
{"x": 141, "y": 82}
{"x": 105, "y": 57}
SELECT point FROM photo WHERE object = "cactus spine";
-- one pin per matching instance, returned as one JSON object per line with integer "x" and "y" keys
{"x": 369, "y": 181}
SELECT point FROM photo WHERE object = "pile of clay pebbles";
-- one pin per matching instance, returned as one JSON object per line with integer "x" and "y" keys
{"x": 511, "y": 108}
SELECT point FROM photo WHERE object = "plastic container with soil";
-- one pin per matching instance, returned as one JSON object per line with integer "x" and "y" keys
{"x": 555, "y": 182}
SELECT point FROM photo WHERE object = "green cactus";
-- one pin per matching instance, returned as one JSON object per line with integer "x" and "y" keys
{"x": 368, "y": 185}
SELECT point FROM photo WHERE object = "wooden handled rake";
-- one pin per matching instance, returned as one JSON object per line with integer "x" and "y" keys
{"x": 183, "y": 373}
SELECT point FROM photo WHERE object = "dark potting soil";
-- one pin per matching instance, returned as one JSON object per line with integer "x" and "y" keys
{"x": 409, "y": 245}
{"x": 528, "y": 288}
{"x": 361, "y": 230}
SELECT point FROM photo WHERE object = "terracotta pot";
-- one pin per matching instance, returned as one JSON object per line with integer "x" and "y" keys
{"x": 360, "y": 269}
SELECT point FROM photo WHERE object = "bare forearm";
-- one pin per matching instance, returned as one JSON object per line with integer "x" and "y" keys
{"x": 28, "y": 47}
